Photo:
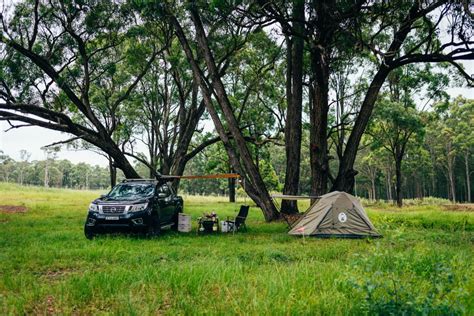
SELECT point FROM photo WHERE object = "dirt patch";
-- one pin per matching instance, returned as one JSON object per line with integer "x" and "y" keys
{"x": 53, "y": 275}
{"x": 46, "y": 306}
{"x": 12, "y": 209}
{"x": 468, "y": 207}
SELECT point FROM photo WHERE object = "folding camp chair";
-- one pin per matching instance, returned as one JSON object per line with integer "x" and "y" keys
{"x": 239, "y": 220}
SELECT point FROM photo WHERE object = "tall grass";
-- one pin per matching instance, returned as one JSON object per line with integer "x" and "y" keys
{"x": 423, "y": 265}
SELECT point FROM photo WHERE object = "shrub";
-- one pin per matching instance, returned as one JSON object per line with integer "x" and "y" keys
{"x": 416, "y": 284}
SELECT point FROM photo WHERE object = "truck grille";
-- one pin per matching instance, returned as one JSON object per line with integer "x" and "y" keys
{"x": 113, "y": 209}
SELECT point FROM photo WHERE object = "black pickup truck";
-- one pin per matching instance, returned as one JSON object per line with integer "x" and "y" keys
{"x": 136, "y": 205}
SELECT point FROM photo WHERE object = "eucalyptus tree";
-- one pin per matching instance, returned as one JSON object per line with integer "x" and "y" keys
{"x": 6, "y": 167}
{"x": 22, "y": 164}
{"x": 463, "y": 111}
{"x": 444, "y": 149}
{"x": 59, "y": 61}
{"x": 166, "y": 109}
{"x": 413, "y": 30}
{"x": 391, "y": 34}
{"x": 451, "y": 137}
{"x": 395, "y": 125}
{"x": 417, "y": 170}
{"x": 255, "y": 85}
{"x": 369, "y": 167}
{"x": 240, "y": 156}
{"x": 397, "y": 121}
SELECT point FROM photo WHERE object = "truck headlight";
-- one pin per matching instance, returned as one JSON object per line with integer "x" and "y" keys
{"x": 93, "y": 207}
{"x": 138, "y": 207}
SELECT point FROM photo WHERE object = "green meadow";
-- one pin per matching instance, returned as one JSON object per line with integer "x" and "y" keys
{"x": 424, "y": 265}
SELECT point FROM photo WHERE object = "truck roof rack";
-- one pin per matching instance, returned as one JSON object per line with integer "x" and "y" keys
{"x": 138, "y": 180}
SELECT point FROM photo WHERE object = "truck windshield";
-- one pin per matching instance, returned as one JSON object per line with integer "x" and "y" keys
{"x": 131, "y": 191}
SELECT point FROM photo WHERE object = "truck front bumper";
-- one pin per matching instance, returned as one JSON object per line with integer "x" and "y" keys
{"x": 127, "y": 221}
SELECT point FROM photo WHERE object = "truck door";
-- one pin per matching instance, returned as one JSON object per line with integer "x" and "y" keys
{"x": 165, "y": 202}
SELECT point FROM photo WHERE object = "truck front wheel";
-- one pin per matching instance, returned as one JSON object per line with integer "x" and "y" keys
{"x": 89, "y": 232}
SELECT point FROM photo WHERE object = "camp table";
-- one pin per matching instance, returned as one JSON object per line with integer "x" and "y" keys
{"x": 208, "y": 224}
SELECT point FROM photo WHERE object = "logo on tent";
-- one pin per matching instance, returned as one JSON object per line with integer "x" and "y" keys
{"x": 342, "y": 217}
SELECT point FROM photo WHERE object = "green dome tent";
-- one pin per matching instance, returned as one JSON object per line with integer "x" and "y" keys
{"x": 337, "y": 214}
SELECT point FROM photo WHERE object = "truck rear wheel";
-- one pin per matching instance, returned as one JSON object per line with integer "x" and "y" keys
{"x": 154, "y": 228}
{"x": 176, "y": 219}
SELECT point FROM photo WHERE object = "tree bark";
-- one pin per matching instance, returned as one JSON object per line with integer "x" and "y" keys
{"x": 293, "y": 126}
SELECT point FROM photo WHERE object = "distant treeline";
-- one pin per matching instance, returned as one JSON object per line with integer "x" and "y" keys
{"x": 53, "y": 173}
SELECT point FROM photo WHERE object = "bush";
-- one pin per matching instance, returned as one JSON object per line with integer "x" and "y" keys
{"x": 406, "y": 202}
{"x": 416, "y": 284}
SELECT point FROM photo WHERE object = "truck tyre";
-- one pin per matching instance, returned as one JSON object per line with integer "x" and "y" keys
{"x": 89, "y": 232}
{"x": 154, "y": 228}
{"x": 176, "y": 218}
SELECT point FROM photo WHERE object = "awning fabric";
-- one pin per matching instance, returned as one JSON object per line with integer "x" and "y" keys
{"x": 293, "y": 197}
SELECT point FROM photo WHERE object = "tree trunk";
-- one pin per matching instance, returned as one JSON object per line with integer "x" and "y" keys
{"x": 294, "y": 109}
{"x": 433, "y": 182}
{"x": 121, "y": 162}
{"x": 398, "y": 175}
{"x": 319, "y": 122}
{"x": 374, "y": 194}
{"x": 452, "y": 183}
{"x": 231, "y": 185}
{"x": 87, "y": 179}
{"x": 113, "y": 173}
{"x": 46, "y": 174}
{"x": 320, "y": 59}
{"x": 468, "y": 180}
{"x": 389, "y": 184}
{"x": 254, "y": 185}
{"x": 419, "y": 187}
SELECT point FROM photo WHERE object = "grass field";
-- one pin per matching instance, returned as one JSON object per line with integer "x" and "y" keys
{"x": 424, "y": 265}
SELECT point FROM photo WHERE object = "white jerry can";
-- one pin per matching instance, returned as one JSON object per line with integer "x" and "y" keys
{"x": 225, "y": 227}
{"x": 184, "y": 223}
